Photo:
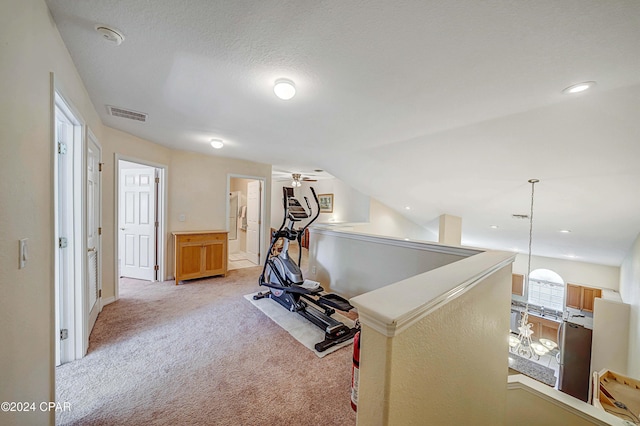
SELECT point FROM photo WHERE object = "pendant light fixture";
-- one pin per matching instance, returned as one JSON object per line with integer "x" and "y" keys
{"x": 296, "y": 180}
{"x": 523, "y": 345}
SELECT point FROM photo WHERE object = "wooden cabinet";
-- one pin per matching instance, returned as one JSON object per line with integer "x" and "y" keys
{"x": 588, "y": 297}
{"x": 574, "y": 296}
{"x": 200, "y": 254}
{"x": 582, "y": 298}
{"x": 543, "y": 328}
{"x": 517, "y": 284}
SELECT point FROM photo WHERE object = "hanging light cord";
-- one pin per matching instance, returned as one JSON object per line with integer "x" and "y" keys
{"x": 533, "y": 182}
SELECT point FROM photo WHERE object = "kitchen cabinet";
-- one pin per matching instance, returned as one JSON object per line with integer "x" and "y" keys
{"x": 517, "y": 284}
{"x": 200, "y": 254}
{"x": 580, "y": 297}
{"x": 588, "y": 297}
{"x": 574, "y": 296}
{"x": 543, "y": 328}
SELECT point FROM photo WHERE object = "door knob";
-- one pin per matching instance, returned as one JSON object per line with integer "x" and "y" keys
{"x": 91, "y": 249}
{"x": 122, "y": 229}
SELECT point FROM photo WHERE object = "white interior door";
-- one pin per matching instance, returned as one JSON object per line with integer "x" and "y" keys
{"x": 94, "y": 252}
{"x": 253, "y": 221}
{"x": 137, "y": 223}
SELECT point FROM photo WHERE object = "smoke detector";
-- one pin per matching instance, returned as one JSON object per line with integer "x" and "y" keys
{"x": 111, "y": 34}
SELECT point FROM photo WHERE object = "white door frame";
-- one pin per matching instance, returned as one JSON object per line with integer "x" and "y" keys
{"x": 72, "y": 265}
{"x": 162, "y": 215}
{"x": 90, "y": 321}
{"x": 263, "y": 223}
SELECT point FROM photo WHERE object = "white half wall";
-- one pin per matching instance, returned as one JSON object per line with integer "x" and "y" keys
{"x": 630, "y": 292}
{"x": 350, "y": 263}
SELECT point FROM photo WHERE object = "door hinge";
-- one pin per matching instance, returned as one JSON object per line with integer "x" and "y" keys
{"x": 100, "y": 166}
{"x": 157, "y": 224}
{"x": 156, "y": 268}
{"x": 62, "y": 242}
{"x": 100, "y": 293}
{"x": 100, "y": 231}
{"x": 64, "y": 334}
{"x": 62, "y": 148}
{"x": 157, "y": 180}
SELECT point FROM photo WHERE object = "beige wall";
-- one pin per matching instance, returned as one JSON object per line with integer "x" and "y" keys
{"x": 116, "y": 142}
{"x": 630, "y": 292}
{"x": 448, "y": 368}
{"x": 198, "y": 189}
{"x": 31, "y": 49}
{"x": 581, "y": 273}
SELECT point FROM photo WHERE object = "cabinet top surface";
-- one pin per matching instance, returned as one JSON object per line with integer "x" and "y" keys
{"x": 220, "y": 231}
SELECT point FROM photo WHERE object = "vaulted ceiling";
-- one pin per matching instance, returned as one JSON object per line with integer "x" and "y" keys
{"x": 442, "y": 106}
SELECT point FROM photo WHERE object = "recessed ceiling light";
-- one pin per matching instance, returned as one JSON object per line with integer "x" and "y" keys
{"x": 494, "y": 227}
{"x": 284, "y": 89}
{"x": 580, "y": 87}
{"x": 217, "y": 143}
{"x": 407, "y": 207}
{"x": 565, "y": 231}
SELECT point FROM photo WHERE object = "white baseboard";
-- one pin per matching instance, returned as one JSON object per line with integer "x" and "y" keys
{"x": 107, "y": 300}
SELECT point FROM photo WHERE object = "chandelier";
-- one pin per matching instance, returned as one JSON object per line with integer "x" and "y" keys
{"x": 522, "y": 345}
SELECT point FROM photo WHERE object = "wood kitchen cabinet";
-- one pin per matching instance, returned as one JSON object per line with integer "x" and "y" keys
{"x": 588, "y": 298}
{"x": 200, "y": 254}
{"x": 582, "y": 298}
{"x": 517, "y": 284}
{"x": 574, "y": 296}
{"x": 543, "y": 328}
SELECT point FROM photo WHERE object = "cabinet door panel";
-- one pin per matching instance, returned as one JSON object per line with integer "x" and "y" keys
{"x": 574, "y": 296}
{"x": 190, "y": 260}
{"x": 214, "y": 257}
{"x": 517, "y": 284}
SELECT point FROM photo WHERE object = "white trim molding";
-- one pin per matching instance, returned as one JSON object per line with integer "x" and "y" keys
{"x": 392, "y": 309}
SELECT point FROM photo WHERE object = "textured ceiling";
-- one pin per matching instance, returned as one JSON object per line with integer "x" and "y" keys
{"x": 447, "y": 107}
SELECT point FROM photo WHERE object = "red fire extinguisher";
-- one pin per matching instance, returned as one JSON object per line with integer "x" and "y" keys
{"x": 355, "y": 372}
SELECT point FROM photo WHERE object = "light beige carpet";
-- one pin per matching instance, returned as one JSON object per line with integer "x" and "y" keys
{"x": 305, "y": 332}
{"x": 199, "y": 354}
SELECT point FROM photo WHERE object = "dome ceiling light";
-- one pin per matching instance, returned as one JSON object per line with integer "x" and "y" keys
{"x": 580, "y": 87}
{"x": 284, "y": 89}
{"x": 217, "y": 143}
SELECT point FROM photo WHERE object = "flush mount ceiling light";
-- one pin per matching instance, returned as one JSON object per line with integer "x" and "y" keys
{"x": 565, "y": 231}
{"x": 217, "y": 143}
{"x": 580, "y": 87}
{"x": 284, "y": 89}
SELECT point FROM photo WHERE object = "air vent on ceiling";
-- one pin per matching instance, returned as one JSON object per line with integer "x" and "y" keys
{"x": 520, "y": 216}
{"x": 127, "y": 113}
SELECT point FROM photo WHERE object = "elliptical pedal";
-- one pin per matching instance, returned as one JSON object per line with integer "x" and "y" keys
{"x": 334, "y": 301}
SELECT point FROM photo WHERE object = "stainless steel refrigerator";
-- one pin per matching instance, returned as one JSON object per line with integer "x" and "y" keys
{"x": 574, "y": 342}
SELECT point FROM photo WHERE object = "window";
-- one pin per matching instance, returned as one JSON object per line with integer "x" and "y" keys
{"x": 546, "y": 288}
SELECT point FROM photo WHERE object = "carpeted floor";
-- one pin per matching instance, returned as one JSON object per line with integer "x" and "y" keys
{"x": 200, "y": 354}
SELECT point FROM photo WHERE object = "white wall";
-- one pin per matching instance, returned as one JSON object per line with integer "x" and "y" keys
{"x": 349, "y": 205}
{"x": 630, "y": 292}
{"x": 581, "y": 273}
{"x": 383, "y": 220}
{"x": 351, "y": 264}
{"x": 30, "y": 50}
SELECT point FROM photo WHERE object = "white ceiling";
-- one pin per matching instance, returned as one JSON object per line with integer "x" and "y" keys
{"x": 447, "y": 107}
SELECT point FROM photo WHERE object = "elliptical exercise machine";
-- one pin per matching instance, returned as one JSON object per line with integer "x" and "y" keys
{"x": 288, "y": 287}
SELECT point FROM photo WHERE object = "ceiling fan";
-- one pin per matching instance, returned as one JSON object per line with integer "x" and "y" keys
{"x": 296, "y": 178}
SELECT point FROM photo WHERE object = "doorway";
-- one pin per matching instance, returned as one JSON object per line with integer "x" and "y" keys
{"x": 141, "y": 212}
{"x": 244, "y": 222}
{"x": 77, "y": 231}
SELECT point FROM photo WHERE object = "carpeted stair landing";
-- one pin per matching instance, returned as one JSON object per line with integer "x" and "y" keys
{"x": 200, "y": 354}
